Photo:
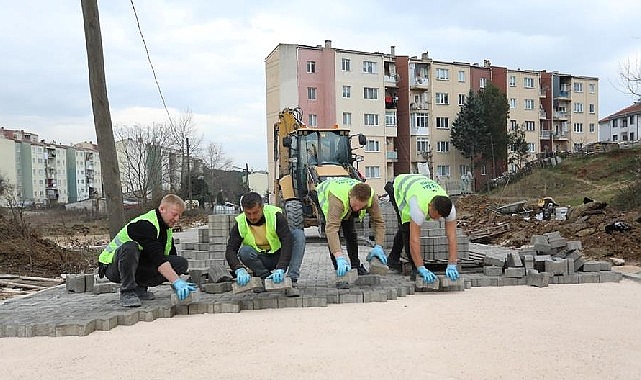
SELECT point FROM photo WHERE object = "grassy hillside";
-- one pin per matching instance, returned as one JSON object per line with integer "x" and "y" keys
{"x": 611, "y": 177}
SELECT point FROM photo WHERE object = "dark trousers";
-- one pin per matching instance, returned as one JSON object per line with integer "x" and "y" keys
{"x": 351, "y": 242}
{"x": 130, "y": 272}
{"x": 402, "y": 237}
{"x": 260, "y": 263}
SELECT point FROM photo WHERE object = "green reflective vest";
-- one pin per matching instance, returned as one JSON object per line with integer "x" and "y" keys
{"x": 424, "y": 189}
{"x": 270, "y": 225}
{"x": 107, "y": 255}
{"x": 340, "y": 187}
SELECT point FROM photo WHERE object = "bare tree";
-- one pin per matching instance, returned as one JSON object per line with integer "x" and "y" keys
{"x": 177, "y": 134}
{"x": 216, "y": 161}
{"x": 630, "y": 76}
{"x": 145, "y": 160}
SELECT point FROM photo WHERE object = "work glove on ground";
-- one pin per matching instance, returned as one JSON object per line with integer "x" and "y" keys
{"x": 242, "y": 277}
{"x": 377, "y": 252}
{"x": 427, "y": 275}
{"x": 183, "y": 288}
{"x": 278, "y": 275}
{"x": 452, "y": 272}
{"x": 342, "y": 266}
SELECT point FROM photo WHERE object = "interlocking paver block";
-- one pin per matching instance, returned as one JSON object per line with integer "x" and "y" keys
{"x": 217, "y": 288}
{"x": 283, "y": 285}
{"x": 254, "y": 282}
{"x": 492, "y": 270}
{"x": 377, "y": 267}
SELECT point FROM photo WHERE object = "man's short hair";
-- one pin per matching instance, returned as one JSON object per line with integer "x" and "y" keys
{"x": 251, "y": 199}
{"x": 361, "y": 191}
{"x": 172, "y": 199}
{"x": 443, "y": 205}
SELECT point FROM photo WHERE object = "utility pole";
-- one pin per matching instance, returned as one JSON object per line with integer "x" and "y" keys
{"x": 102, "y": 117}
{"x": 188, "y": 174}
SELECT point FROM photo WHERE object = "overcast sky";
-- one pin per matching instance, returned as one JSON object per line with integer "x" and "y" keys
{"x": 209, "y": 55}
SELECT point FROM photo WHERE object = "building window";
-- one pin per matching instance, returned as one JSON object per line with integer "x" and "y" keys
{"x": 442, "y": 98}
{"x": 591, "y": 108}
{"x": 528, "y": 82}
{"x": 422, "y": 145}
{"x": 419, "y": 120}
{"x": 578, "y": 107}
{"x": 372, "y": 172}
{"x": 443, "y": 146}
{"x": 482, "y": 82}
{"x": 461, "y": 76}
{"x": 529, "y": 104}
{"x": 512, "y": 80}
{"x": 390, "y": 119}
{"x": 369, "y": 67}
{"x": 370, "y": 93}
{"x": 531, "y": 147}
{"x": 347, "y": 91}
{"x": 592, "y": 127}
{"x": 442, "y": 74}
{"x": 578, "y": 127}
{"x": 512, "y": 103}
{"x": 313, "y": 120}
{"x": 371, "y": 119}
{"x": 311, "y": 93}
{"x": 529, "y": 126}
{"x": 347, "y": 118}
{"x": 578, "y": 86}
{"x": 443, "y": 170}
{"x": 592, "y": 88}
{"x": 514, "y": 125}
{"x": 311, "y": 67}
{"x": 461, "y": 99}
{"x": 442, "y": 123}
{"x": 464, "y": 169}
{"x": 615, "y": 137}
{"x": 372, "y": 146}
{"x": 346, "y": 64}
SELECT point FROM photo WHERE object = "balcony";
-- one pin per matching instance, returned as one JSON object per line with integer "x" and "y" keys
{"x": 419, "y": 106}
{"x": 548, "y": 135}
{"x": 564, "y": 95}
{"x": 391, "y": 156}
{"x": 542, "y": 93}
{"x": 542, "y": 115}
{"x": 419, "y": 131}
{"x": 390, "y": 80}
{"x": 419, "y": 82}
{"x": 560, "y": 115}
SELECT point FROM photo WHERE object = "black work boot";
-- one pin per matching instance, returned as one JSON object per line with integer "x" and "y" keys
{"x": 128, "y": 298}
{"x": 144, "y": 294}
{"x": 361, "y": 270}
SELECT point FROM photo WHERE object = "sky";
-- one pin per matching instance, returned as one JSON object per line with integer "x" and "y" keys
{"x": 209, "y": 55}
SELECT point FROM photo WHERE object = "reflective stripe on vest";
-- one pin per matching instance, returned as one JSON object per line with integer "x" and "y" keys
{"x": 270, "y": 224}
{"x": 424, "y": 189}
{"x": 340, "y": 187}
{"x": 122, "y": 237}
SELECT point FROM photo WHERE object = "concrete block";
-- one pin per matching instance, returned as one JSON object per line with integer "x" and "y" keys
{"x": 375, "y": 295}
{"x": 605, "y": 265}
{"x": 283, "y": 285}
{"x": 540, "y": 262}
{"x": 610, "y": 276}
{"x": 217, "y": 272}
{"x": 578, "y": 263}
{"x": 422, "y": 286}
{"x": 105, "y": 287}
{"x": 227, "y": 307}
{"x": 75, "y": 283}
{"x": 89, "y": 282}
{"x": 128, "y": 318}
{"x": 350, "y": 298}
{"x": 491, "y": 270}
{"x": 574, "y": 245}
{"x": 377, "y": 267}
{"x": 254, "y": 282}
{"x": 368, "y": 280}
{"x": 556, "y": 267}
{"x": 350, "y": 277}
{"x": 192, "y": 297}
{"x": 494, "y": 260}
{"x": 290, "y": 302}
{"x": 265, "y": 302}
{"x": 515, "y": 272}
{"x": 567, "y": 279}
{"x": 392, "y": 294}
{"x": 217, "y": 288}
{"x": 588, "y": 277}
{"x": 314, "y": 301}
{"x": 514, "y": 260}
{"x": 591, "y": 266}
{"x": 540, "y": 280}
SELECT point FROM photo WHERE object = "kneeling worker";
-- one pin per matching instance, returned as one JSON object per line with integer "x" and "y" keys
{"x": 143, "y": 254}
{"x": 262, "y": 241}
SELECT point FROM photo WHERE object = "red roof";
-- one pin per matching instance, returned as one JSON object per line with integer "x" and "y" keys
{"x": 634, "y": 109}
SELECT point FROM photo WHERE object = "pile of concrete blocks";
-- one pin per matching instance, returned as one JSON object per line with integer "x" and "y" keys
{"x": 391, "y": 224}
{"x": 549, "y": 259}
{"x": 434, "y": 242}
{"x": 442, "y": 284}
{"x": 211, "y": 245}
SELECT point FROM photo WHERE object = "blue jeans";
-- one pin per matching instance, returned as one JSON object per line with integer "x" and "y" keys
{"x": 262, "y": 264}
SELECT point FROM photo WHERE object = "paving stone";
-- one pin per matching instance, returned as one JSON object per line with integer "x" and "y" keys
{"x": 588, "y": 277}
{"x": 368, "y": 280}
{"x": 128, "y": 318}
{"x": 314, "y": 301}
{"x": 591, "y": 266}
{"x": 290, "y": 302}
{"x": 75, "y": 283}
{"x": 350, "y": 298}
{"x": 515, "y": 272}
{"x": 105, "y": 287}
{"x": 492, "y": 270}
{"x": 514, "y": 260}
{"x": 254, "y": 282}
{"x": 216, "y": 288}
{"x": 285, "y": 284}
{"x": 226, "y": 307}
{"x": 540, "y": 280}
{"x": 610, "y": 276}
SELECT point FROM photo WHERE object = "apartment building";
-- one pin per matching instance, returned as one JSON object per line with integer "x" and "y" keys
{"x": 406, "y": 106}
{"x": 43, "y": 173}
{"x": 622, "y": 126}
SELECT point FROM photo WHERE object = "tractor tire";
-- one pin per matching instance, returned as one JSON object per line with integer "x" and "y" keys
{"x": 294, "y": 213}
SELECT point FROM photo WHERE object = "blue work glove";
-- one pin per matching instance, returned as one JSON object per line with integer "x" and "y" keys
{"x": 278, "y": 275}
{"x": 377, "y": 252}
{"x": 242, "y": 277}
{"x": 183, "y": 288}
{"x": 342, "y": 266}
{"x": 452, "y": 272}
{"x": 428, "y": 276}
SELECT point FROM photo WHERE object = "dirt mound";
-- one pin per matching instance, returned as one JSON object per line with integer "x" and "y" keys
{"x": 25, "y": 252}
{"x": 585, "y": 223}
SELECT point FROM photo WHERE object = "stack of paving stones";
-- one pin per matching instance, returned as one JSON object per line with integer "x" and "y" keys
{"x": 434, "y": 242}
{"x": 209, "y": 250}
{"x": 549, "y": 259}
{"x": 391, "y": 224}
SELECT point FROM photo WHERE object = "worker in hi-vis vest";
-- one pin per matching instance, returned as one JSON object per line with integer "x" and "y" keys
{"x": 262, "y": 241}
{"x": 342, "y": 200}
{"x": 143, "y": 254}
{"x": 416, "y": 198}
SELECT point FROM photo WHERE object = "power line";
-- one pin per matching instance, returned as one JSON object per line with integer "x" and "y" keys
{"x": 150, "y": 63}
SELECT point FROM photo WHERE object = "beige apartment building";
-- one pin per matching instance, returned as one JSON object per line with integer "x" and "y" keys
{"x": 406, "y": 105}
